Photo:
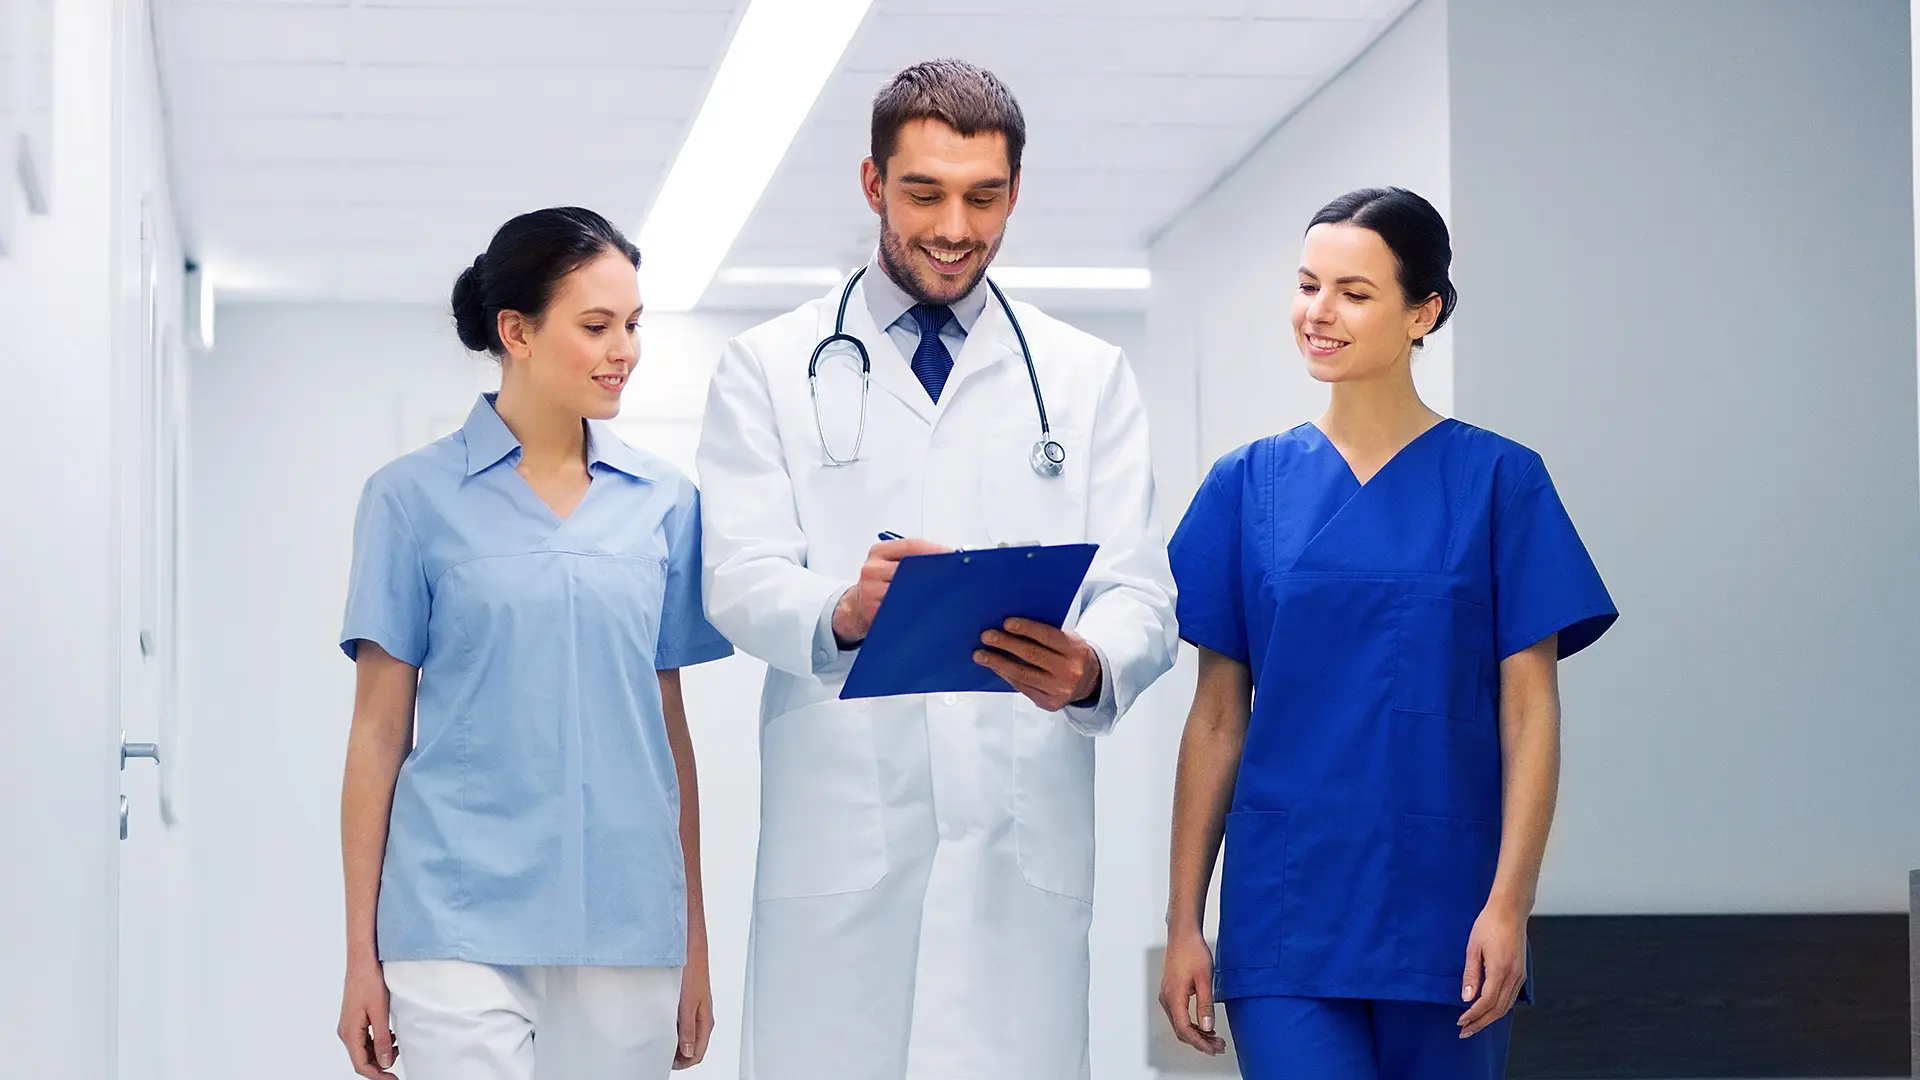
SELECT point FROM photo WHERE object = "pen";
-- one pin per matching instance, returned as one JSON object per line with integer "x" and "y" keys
{"x": 891, "y": 536}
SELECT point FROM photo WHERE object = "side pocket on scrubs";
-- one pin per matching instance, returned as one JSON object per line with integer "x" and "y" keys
{"x": 1440, "y": 648}
{"x": 1445, "y": 873}
{"x": 1250, "y": 889}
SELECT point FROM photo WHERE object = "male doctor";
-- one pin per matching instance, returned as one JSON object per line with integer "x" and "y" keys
{"x": 925, "y": 876}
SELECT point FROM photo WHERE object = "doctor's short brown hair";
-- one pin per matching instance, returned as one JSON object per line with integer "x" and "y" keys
{"x": 965, "y": 97}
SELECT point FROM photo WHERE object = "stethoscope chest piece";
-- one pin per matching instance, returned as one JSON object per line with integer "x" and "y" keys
{"x": 1048, "y": 458}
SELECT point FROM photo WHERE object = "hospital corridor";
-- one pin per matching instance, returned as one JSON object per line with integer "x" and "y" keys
{"x": 1031, "y": 540}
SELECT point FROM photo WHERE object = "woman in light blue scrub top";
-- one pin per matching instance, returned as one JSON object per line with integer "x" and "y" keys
{"x": 520, "y": 819}
{"x": 1380, "y": 600}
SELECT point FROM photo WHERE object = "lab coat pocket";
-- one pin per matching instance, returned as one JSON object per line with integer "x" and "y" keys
{"x": 1445, "y": 873}
{"x": 1442, "y": 644}
{"x": 821, "y": 827}
{"x": 1053, "y": 803}
{"x": 1251, "y": 885}
{"x": 1019, "y": 506}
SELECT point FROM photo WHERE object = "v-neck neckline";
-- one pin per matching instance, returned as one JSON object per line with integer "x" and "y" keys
{"x": 1352, "y": 474}
{"x": 559, "y": 521}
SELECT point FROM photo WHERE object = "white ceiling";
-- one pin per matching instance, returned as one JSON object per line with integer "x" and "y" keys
{"x": 349, "y": 150}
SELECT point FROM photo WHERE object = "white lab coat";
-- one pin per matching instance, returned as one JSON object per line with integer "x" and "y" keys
{"x": 925, "y": 876}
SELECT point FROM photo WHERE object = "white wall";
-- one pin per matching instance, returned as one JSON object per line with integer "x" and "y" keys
{"x": 1224, "y": 270}
{"x": 70, "y": 432}
{"x": 295, "y": 408}
{"x": 1696, "y": 297}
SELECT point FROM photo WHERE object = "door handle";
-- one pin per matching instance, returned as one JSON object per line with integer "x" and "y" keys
{"x": 150, "y": 751}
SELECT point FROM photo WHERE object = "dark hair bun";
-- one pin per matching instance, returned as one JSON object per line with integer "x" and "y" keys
{"x": 470, "y": 319}
{"x": 521, "y": 270}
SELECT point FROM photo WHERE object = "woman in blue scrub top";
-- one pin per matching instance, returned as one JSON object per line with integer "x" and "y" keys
{"x": 520, "y": 818}
{"x": 1380, "y": 599}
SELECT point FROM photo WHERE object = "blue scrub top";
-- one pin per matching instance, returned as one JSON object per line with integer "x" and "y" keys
{"x": 536, "y": 819}
{"x": 1365, "y": 823}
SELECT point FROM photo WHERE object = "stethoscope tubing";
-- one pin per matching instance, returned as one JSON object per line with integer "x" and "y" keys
{"x": 1048, "y": 456}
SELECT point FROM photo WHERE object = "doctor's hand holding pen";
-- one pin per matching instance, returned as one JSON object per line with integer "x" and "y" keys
{"x": 853, "y": 616}
{"x": 1053, "y": 667}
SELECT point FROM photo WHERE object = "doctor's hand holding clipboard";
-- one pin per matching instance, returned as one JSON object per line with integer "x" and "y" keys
{"x": 1051, "y": 666}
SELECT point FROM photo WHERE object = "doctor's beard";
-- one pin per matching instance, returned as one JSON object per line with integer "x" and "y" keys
{"x": 897, "y": 261}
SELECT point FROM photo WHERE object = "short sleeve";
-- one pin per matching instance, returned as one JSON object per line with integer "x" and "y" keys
{"x": 1544, "y": 582}
{"x": 1205, "y": 555}
{"x": 686, "y": 637}
{"x": 387, "y": 598}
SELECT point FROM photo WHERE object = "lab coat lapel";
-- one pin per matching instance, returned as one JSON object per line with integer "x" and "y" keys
{"x": 891, "y": 372}
{"x": 989, "y": 342}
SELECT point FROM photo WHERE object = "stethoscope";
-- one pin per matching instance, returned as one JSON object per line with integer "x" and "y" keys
{"x": 1047, "y": 457}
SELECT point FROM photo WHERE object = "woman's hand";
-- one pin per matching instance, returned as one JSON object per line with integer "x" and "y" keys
{"x": 1496, "y": 966}
{"x": 363, "y": 1021}
{"x": 696, "y": 1007}
{"x": 1186, "y": 993}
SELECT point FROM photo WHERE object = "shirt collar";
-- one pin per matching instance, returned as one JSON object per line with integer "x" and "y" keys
{"x": 490, "y": 441}
{"x": 488, "y": 438}
{"x": 606, "y": 448}
{"x": 887, "y": 301}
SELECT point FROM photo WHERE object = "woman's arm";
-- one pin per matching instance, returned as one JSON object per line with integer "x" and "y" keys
{"x": 381, "y": 735}
{"x": 1203, "y": 787}
{"x": 696, "y": 991}
{"x": 1530, "y": 784}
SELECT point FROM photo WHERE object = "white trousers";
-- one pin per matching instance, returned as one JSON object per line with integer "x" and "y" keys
{"x": 456, "y": 1020}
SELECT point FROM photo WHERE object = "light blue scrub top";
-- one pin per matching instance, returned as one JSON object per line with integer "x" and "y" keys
{"x": 536, "y": 819}
{"x": 1365, "y": 824}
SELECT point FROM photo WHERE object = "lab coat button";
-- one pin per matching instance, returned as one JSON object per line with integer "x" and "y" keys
{"x": 951, "y": 699}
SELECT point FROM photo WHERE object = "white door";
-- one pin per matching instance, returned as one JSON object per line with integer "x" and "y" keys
{"x": 150, "y": 416}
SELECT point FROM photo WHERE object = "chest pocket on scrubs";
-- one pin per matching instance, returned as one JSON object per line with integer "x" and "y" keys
{"x": 1018, "y": 505}
{"x": 1441, "y": 648}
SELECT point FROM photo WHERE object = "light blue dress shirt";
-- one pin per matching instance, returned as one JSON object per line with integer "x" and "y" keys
{"x": 536, "y": 819}
{"x": 891, "y": 307}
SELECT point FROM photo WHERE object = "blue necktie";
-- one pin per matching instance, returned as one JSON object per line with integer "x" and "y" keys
{"x": 931, "y": 360}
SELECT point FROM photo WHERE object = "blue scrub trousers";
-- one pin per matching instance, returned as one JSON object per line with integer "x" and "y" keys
{"x": 1289, "y": 1038}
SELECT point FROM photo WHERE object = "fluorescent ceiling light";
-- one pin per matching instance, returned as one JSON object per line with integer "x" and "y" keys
{"x": 1013, "y": 277}
{"x": 782, "y": 55}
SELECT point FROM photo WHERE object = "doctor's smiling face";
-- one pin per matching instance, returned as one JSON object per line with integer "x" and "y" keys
{"x": 1351, "y": 319}
{"x": 944, "y": 176}
{"x": 943, "y": 203}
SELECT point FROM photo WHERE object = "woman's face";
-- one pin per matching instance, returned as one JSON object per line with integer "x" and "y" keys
{"x": 580, "y": 354}
{"x": 1350, "y": 320}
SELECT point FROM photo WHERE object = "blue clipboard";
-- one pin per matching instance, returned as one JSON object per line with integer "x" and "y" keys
{"x": 927, "y": 629}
